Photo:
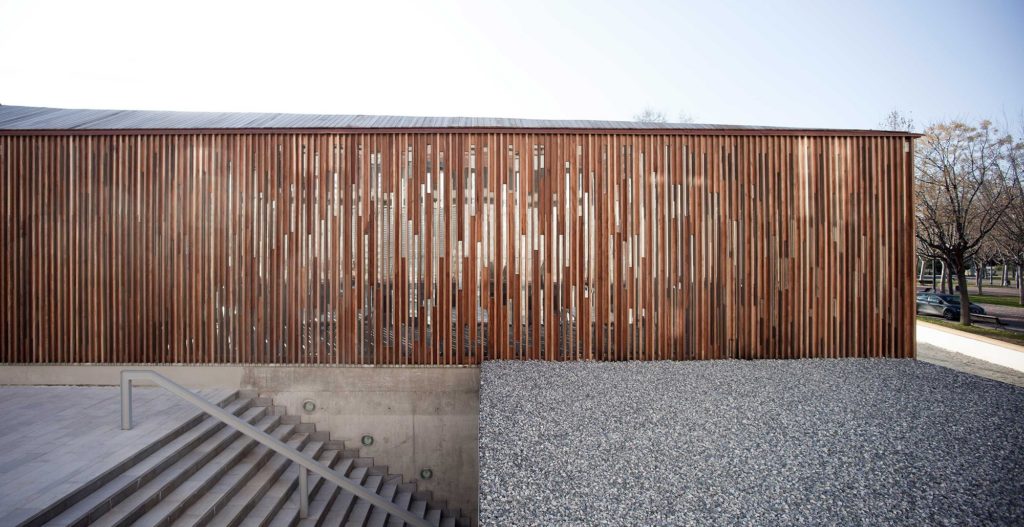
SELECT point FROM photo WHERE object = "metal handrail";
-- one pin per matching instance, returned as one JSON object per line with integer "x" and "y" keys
{"x": 304, "y": 461}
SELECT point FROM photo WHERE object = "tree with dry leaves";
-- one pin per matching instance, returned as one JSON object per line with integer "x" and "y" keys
{"x": 962, "y": 193}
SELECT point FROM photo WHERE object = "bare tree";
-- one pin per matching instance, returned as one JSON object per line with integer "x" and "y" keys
{"x": 987, "y": 251}
{"x": 962, "y": 193}
{"x": 650, "y": 115}
{"x": 928, "y": 255}
{"x": 1010, "y": 231}
{"x": 897, "y": 121}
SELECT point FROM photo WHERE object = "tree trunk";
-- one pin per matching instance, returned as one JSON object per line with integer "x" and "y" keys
{"x": 965, "y": 299}
{"x": 920, "y": 275}
{"x": 943, "y": 276}
{"x": 950, "y": 270}
{"x": 980, "y": 278}
{"x": 1005, "y": 282}
{"x": 1020, "y": 285}
{"x": 933, "y": 274}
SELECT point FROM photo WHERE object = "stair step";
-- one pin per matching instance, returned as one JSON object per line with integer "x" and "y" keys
{"x": 361, "y": 509}
{"x": 403, "y": 501}
{"x": 418, "y": 507}
{"x": 206, "y": 473}
{"x": 217, "y": 496}
{"x": 251, "y": 495}
{"x": 342, "y": 506}
{"x": 98, "y": 502}
{"x": 141, "y": 501}
{"x": 319, "y": 505}
{"x": 277, "y": 496}
{"x": 378, "y": 517}
{"x": 199, "y": 485}
{"x": 288, "y": 515}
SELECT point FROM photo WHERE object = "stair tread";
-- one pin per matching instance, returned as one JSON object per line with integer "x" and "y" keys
{"x": 379, "y": 516}
{"x": 361, "y": 509}
{"x": 111, "y": 493}
{"x": 278, "y": 493}
{"x": 172, "y": 479}
{"x": 322, "y": 502}
{"x": 199, "y": 484}
{"x": 419, "y": 508}
{"x": 236, "y": 477}
{"x": 289, "y": 511}
{"x": 319, "y": 504}
{"x": 403, "y": 501}
{"x": 251, "y": 495}
{"x": 342, "y": 506}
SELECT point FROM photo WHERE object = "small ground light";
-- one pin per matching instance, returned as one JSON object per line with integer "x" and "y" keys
{"x": 308, "y": 405}
{"x": 367, "y": 440}
{"x": 426, "y": 473}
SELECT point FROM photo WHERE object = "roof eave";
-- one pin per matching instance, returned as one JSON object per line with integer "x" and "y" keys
{"x": 810, "y": 132}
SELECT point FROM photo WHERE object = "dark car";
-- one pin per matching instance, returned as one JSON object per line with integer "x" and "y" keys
{"x": 945, "y": 306}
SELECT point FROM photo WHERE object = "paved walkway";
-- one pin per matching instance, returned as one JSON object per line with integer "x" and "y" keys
{"x": 959, "y": 362}
{"x": 54, "y": 439}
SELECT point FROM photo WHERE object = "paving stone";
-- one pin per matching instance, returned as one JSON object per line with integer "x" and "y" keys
{"x": 58, "y": 438}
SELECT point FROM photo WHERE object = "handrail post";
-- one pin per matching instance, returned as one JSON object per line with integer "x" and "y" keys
{"x": 126, "y": 401}
{"x": 303, "y": 492}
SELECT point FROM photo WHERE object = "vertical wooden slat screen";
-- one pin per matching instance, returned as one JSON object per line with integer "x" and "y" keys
{"x": 448, "y": 248}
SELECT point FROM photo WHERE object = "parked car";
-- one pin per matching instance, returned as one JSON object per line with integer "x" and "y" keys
{"x": 945, "y": 306}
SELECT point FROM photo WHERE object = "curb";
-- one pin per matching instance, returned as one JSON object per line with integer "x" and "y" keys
{"x": 982, "y": 348}
{"x": 981, "y": 338}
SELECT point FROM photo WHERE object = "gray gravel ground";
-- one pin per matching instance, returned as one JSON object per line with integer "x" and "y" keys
{"x": 808, "y": 442}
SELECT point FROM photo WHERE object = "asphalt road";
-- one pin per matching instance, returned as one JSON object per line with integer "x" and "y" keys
{"x": 1011, "y": 317}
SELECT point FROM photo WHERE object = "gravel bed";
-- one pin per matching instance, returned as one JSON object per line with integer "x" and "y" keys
{"x": 799, "y": 442}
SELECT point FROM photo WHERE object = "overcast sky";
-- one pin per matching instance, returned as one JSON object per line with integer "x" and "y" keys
{"x": 814, "y": 63}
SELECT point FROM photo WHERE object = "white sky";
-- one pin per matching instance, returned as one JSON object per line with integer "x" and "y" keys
{"x": 830, "y": 64}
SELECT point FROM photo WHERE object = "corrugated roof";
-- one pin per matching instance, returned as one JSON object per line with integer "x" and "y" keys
{"x": 28, "y": 118}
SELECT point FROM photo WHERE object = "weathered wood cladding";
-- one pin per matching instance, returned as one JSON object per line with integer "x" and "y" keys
{"x": 452, "y": 248}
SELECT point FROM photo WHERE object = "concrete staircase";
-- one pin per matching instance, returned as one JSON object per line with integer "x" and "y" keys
{"x": 211, "y": 474}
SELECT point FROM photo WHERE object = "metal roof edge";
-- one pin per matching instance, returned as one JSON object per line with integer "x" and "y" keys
{"x": 33, "y": 121}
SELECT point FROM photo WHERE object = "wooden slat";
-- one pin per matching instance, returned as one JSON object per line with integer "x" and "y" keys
{"x": 299, "y": 248}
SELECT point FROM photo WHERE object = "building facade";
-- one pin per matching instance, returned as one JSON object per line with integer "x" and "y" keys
{"x": 160, "y": 237}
